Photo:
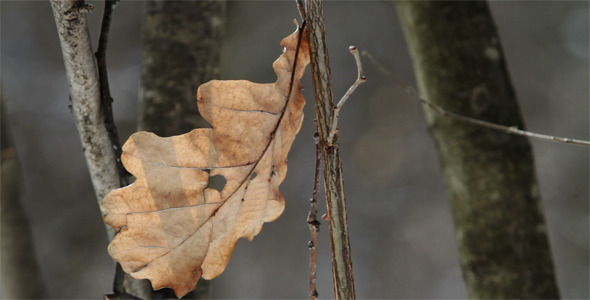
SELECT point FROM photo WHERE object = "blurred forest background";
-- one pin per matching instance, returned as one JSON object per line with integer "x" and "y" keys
{"x": 402, "y": 236}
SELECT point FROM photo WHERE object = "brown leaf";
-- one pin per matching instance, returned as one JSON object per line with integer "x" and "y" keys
{"x": 174, "y": 227}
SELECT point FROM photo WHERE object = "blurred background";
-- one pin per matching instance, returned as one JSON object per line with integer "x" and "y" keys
{"x": 402, "y": 236}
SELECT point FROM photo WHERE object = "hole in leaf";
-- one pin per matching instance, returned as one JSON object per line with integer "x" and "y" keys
{"x": 253, "y": 175}
{"x": 217, "y": 182}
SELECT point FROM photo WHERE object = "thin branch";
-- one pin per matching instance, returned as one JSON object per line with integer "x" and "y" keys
{"x": 105, "y": 92}
{"x": 359, "y": 79}
{"x": 507, "y": 129}
{"x": 85, "y": 96}
{"x": 70, "y": 18}
{"x": 342, "y": 273}
{"x": 119, "y": 290}
{"x": 313, "y": 223}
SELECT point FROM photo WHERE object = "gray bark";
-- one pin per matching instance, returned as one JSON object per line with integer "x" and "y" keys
{"x": 70, "y": 17}
{"x": 181, "y": 43}
{"x": 82, "y": 75}
{"x": 490, "y": 176}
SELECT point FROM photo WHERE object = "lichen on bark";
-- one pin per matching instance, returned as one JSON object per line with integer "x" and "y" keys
{"x": 490, "y": 177}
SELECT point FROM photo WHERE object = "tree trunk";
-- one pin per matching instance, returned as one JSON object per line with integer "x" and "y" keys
{"x": 490, "y": 176}
{"x": 181, "y": 43}
{"x": 20, "y": 275}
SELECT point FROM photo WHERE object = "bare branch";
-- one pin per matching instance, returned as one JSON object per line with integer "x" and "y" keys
{"x": 508, "y": 129}
{"x": 342, "y": 273}
{"x": 359, "y": 79}
{"x": 82, "y": 76}
{"x": 89, "y": 107}
{"x": 105, "y": 92}
{"x": 107, "y": 111}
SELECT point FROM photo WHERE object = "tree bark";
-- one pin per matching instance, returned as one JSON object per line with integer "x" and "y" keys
{"x": 342, "y": 272}
{"x": 85, "y": 96}
{"x": 20, "y": 274}
{"x": 70, "y": 18}
{"x": 490, "y": 176}
{"x": 181, "y": 46}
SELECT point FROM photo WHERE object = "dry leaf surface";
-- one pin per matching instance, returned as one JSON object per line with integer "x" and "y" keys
{"x": 173, "y": 226}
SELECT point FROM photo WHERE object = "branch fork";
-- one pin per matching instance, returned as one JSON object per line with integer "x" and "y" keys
{"x": 327, "y": 119}
{"x": 359, "y": 79}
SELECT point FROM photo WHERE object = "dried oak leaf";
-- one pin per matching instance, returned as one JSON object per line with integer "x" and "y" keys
{"x": 173, "y": 227}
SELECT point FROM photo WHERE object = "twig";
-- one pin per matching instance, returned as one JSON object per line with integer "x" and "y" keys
{"x": 123, "y": 284}
{"x": 109, "y": 122}
{"x": 105, "y": 92}
{"x": 359, "y": 79}
{"x": 342, "y": 273}
{"x": 313, "y": 223}
{"x": 508, "y": 129}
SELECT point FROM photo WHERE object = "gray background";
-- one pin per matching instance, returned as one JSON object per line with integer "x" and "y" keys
{"x": 401, "y": 230}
